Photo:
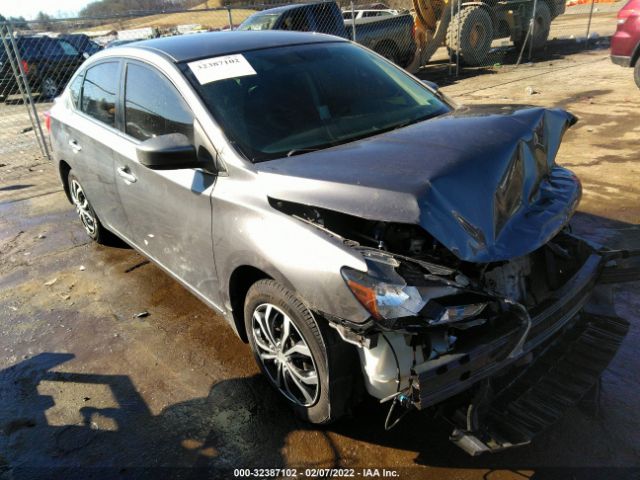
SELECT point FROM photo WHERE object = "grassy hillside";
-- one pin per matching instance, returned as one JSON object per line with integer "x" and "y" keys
{"x": 210, "y": 19}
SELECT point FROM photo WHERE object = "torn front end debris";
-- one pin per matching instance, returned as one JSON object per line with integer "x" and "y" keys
{"x": 501, "y": 349}
{"x": 484, "y": 307}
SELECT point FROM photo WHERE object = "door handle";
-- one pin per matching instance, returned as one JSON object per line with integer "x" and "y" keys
{"x": 74, "y": 146}
{"x": 127, "y": 175}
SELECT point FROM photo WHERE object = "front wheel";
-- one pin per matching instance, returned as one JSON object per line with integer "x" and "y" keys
{"x": 303, "y": 359}
{"x": 636, "y": 73}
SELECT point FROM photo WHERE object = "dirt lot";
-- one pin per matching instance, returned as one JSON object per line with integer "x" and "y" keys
{"x": 88, "y": 390}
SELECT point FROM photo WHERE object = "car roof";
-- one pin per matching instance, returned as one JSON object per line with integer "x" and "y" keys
{"x": 193, "y": 47}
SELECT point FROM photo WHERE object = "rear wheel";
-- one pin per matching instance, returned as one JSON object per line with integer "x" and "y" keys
{"x": 540, "y": 29}
{"x": 636, "y": 73}
{"x": 303, "y": 359}
{"x": 470, "y": 34}
{"x": 389, "y": 51}
{"x": 49, "y": 88}
{"x": 88, "y": 217}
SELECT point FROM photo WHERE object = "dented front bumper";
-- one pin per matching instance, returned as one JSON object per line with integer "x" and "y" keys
{"x": 504, "y": 386}
{"x": 437, "y": 380}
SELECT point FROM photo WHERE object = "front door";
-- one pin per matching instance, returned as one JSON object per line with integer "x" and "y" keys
{"x": 169, "y": 211}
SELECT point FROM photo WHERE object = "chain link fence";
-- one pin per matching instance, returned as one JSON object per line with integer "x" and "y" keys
{"x": 451, "y": 36}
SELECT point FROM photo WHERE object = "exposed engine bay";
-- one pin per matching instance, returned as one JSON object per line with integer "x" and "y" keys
{"x": 422, "y": 262}
{"x": 442, "y": 328}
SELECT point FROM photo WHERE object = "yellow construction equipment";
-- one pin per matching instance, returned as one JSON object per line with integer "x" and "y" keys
{"x": 469, "y": 30}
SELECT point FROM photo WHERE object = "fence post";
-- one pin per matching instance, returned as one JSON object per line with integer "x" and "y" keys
{"x": 353, "y": 22}
{"x": 533, "y": 28}
{"x": 30, "y": 96}
{"x": 23, "y": 86}
{"x": 459, "y": 35}
{"x": 230, "y": 18}
{"x": 586, "y": 41}
{"x": 451, "y": 50}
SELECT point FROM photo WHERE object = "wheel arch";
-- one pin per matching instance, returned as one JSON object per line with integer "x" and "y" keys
{"x": 240, "y": 282}
{"x": 63, "y": 170}
{"x": 635, "y": 56}
{"x": 386, "y": 42}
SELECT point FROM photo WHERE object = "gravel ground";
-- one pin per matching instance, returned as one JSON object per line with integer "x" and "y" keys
{"x": 88, "y": 390}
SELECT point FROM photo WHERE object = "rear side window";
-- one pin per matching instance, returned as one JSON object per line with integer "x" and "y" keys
{"x": 153, "y": 106}
{"x": 68, "y": 48}
{"x": 99, "y": 92}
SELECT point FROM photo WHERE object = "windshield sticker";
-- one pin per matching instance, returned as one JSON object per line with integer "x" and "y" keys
{"x": 220, "y": 68}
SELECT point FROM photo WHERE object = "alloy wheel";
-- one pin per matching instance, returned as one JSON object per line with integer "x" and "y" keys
{"x": 285, "y": 355}
{"x": 49, "y": 87}
{"x": 85, "y": 212}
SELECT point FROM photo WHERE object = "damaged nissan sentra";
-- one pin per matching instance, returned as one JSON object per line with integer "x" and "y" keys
{"x": 361, "y": 232}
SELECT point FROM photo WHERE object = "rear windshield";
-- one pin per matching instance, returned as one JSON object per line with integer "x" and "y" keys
{"x": 308, "y": 97}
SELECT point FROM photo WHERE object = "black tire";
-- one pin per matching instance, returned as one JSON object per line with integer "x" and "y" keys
{"x": 636, "y": 73}
{"x": 334, "y": 360}
{"x": 97, "y": 233}
{"x": 389, "y": 51}
{"x": 476, "y": 34}
{"x": 540, "y": 30}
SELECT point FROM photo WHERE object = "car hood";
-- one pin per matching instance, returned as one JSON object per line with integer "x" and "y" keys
{"x": 482, "y": 181}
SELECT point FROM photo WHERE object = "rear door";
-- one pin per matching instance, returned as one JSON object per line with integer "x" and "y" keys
{"x": 169, "y": 211}
{"x": 88, "y": 137}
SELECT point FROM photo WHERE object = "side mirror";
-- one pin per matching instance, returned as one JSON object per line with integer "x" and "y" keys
{"x": 432, "y": 85}
{"x": 170, "y": 152}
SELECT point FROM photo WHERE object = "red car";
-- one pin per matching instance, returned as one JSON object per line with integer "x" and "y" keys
{"x": 625, "y": 44}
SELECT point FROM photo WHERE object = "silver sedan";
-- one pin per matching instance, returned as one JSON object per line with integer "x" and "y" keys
{"x": 359, "y": 230}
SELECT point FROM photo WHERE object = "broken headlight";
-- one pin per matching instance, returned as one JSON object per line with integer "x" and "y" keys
{"x": 385, "y": 294}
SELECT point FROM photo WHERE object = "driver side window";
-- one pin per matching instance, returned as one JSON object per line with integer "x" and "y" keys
{"x": 153, "y": 106}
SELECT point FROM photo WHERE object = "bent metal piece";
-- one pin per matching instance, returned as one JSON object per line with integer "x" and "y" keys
{"x": 556, "y": 381}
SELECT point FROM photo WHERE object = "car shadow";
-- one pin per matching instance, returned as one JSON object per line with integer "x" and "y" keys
{"x": 15, "y": 187}
{"x": 241, "y": 423}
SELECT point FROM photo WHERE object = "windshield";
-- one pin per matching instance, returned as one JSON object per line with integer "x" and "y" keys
{"x": 259, "y": 22}
{"x": 308, "y": 97}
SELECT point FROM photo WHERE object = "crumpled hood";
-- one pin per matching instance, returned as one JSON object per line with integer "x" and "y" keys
{"x": 482, "y": 181}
